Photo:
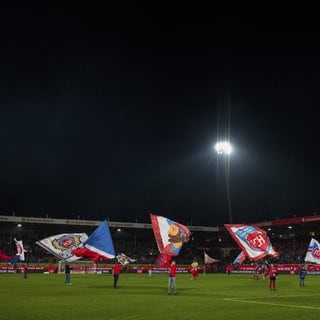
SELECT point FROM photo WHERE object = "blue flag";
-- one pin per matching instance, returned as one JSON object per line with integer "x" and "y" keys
{"x": 98, "y": 246}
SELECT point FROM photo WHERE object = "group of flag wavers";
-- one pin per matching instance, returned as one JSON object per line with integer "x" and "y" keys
{"x": 170, "y": 237}
{"x": 255, "y": 245}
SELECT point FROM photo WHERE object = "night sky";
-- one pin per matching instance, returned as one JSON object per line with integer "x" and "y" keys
{"x": 107, "y": 117}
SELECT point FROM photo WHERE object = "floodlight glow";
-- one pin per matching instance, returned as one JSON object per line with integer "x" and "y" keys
{"x": 223, "y": 147}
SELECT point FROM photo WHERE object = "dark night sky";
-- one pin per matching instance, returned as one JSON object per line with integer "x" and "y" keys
{"x": 106, "y": 117}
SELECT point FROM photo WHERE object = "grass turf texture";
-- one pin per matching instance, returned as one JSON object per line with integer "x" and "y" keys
{"x": 212, "y": 296}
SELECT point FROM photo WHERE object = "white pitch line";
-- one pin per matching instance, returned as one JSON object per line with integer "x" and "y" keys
{"x": 273, "y": 304}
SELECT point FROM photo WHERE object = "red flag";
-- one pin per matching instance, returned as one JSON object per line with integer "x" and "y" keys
{"x": 85, "y": 252}
{"x": 11, "y": 259}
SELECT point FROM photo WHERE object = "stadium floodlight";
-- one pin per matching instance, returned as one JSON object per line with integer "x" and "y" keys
{"x": 223, "y": 147}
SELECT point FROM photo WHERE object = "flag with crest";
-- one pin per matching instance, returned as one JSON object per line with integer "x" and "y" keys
{"x": 124, "y": 259}
{"x": 61, "y": 245}
{"x": 313, "y": 252}
{"x": 253, "y": 241}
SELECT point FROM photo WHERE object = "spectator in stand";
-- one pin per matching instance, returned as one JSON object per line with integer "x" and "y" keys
{"x": 67, "y": 270}
{"x": 172, "y": 284}
{"x": 302, "y": 275}
{"x": 273, "y": 272}
{"x": 116, "y": 272}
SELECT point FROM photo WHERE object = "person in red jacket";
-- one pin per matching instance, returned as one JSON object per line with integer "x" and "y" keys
{"x": 116, "y": 272}
{"x": 273, "y": 271}
{"x": 172, "y": 278}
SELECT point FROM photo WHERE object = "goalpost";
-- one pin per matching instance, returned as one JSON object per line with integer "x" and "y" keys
{"x": 79, "y": 267}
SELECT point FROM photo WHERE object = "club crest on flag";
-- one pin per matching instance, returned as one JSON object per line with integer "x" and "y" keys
{"x": 252, "y": 237}
{"x": 313, "y": 252}
{"x": 316, "y": 253}
{"x": 61, "y": 245}
{"x": 66, "y": 242}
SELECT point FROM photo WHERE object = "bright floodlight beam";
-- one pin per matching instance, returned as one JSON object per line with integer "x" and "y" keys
{"x": 223, "y": 147}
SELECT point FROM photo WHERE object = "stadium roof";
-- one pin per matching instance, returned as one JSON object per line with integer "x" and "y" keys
{"x": 78, "y": 222}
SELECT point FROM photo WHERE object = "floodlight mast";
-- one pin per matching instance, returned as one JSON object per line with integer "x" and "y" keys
{"x": 224, "y": 148}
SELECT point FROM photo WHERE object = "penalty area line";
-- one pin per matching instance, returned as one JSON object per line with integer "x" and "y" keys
{"x": 272, "y": 304}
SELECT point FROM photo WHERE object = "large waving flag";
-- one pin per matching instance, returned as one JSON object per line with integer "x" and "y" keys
{"x": 170, "y": 236}
{"x": 61, "y": 245}
{"x": 98, "y": 246}
{"x": 239, "y": 258}
{"x": 208, "y": 259}
{"x": 253, "y": 241}
{"x": 11, "y": 259}
{"x": 313, "y": 252}
{"x": 20, "y": 249}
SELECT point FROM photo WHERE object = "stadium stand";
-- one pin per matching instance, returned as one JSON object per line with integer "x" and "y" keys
{"x": 291, "y": 240}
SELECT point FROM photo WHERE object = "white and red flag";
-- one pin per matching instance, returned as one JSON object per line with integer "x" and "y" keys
{"x": 62, "y": 245}
{"x": 313, "y": 252}
{"x": 209, "y": 260}
{"x": 170, "y": 235}
{"x": 253, "y": 241}
{"x": 20, "y": 249}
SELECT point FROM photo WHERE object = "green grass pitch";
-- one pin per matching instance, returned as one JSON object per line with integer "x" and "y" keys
{"x": 212, "y": 296}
